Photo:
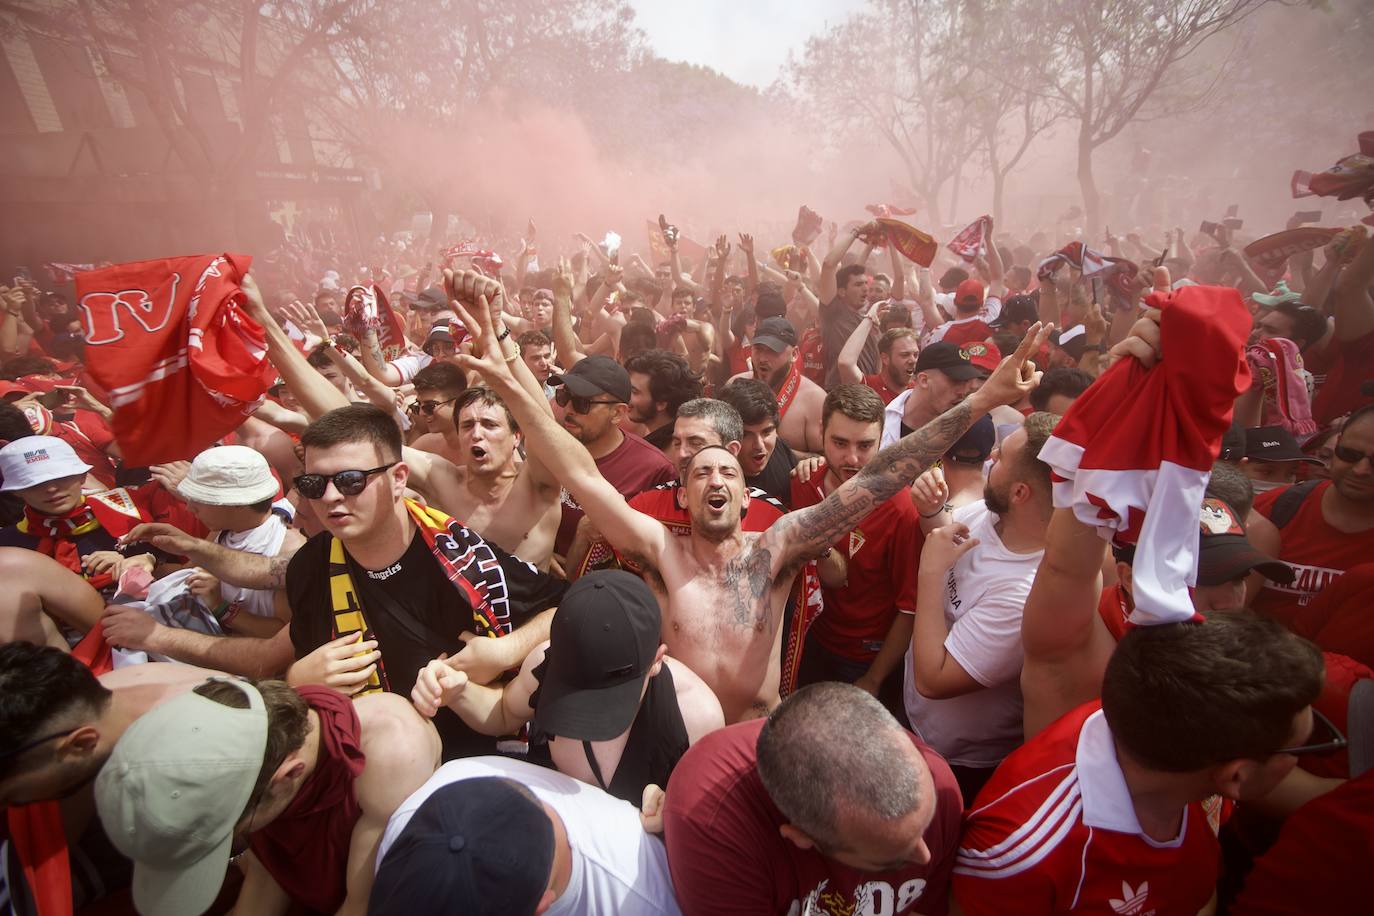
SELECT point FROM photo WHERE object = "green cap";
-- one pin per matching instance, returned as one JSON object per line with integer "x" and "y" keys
{"x": 173, "y": 789}
{"x": 1279, "y": 295}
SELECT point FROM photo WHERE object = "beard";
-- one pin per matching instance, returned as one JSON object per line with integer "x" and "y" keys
{"x": 998, "y": 503}
{"x": 778, "y": 376}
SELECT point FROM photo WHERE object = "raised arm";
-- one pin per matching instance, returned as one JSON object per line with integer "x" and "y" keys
{"x": 1354, "y": 308}
{"x": 825, "y": 287}
{"x": 377, "y": 392}
{"x": 632, "y": 532}
{"x": 848, "y": 360}
{"x": 316, "y": 395}
{"x": 996, "y": 269}
{"x": 806, "y": 533}
{"x": 751, "y": 283}
{"x": 898, "y": 291}
{"x": 566, "y": 347}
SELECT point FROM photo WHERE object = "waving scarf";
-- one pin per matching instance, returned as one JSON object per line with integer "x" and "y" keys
{"x": 1276, "y": 366}
{"x": 968, "y": 244}
{"x": 367, "y": 309}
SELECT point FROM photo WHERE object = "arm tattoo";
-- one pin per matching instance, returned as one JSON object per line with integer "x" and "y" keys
{"x": 807, "y": 532}
{"x": 276, "y": 570}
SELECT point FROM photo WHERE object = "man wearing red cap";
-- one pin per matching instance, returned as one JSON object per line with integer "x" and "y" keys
{"x": 969, "y": 324}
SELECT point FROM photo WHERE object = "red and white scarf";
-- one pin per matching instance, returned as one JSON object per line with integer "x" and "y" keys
{"x": 971, "y": 240}
{"x": 790, "y": 386}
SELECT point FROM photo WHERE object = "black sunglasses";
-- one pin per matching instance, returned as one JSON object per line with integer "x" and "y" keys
{"x": 429, "y": 407}
{"x": 1351, "y": 455}
{"x": 1334, "y": 740}
{"x": 348, "y": 483}
{"x": 579, "y": 404}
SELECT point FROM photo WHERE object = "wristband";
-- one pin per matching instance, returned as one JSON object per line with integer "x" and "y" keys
{"x": 512, "y": 357}
{"x": 945, "y": 508}
{"x": 1095, "y": 348}
{"x": 505, "y": 332}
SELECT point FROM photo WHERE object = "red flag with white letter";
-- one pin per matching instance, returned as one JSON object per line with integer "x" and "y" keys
{"x": 169, "y": 339}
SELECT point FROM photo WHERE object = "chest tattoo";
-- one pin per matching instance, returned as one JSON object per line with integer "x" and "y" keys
{"x": 746, "y": 580}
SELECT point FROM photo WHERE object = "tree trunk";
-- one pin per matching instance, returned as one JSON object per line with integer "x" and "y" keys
{"x": 1092, "y": 201}
{"x": 999, "y": 183}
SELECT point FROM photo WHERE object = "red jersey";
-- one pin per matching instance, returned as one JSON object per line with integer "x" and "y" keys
{"x": 1055, "y": 831}
{"x": 1317, "y": 552}
{"x": 632, "y": 467}
{"x": 728, "y": 858}
{"x": 962, "y": 331}
{"x": 882, "y": 552}
{"x": 1338, "y": 620}
{"x": 879, "y": 384}
{"x": 1320, "y": 862}
{"x": 1352, "y": 364}
{"x": 89, "y": 436}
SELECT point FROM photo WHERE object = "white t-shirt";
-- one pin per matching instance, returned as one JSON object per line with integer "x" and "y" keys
{"x": 616, "y": 866}
{"x": 410, "y": 363}
{"x": 985, "y": 593}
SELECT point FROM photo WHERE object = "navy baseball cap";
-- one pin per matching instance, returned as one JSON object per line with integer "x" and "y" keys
{"x": 593, "y": 375}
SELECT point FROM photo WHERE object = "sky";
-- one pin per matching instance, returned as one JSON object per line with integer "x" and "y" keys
{"x": 747, "y": 40}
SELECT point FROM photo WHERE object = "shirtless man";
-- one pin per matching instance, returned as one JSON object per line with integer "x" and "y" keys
{"x": 46, "y": 692}
{"x": 437, "y": 387}
{"x": 512, "y": 505}
{"x": 722, "y": 590}
{"x": 799, "y": 399}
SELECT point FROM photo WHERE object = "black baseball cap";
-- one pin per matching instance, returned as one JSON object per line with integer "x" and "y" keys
{"x": 481, "y": 846}
{"x": 976, "y": 444}
{"x": 432, "y": 298}
{"x": 602, "y": 642}
{"x": 593, "y": 375}
{"x": 777, "y": 334}
{"x": 1232, "y": 444}
{"x": 949, "y": 359}
{"x": 1274, "y": 443}
{"x": 1224, "y": 552}
{"x": 1017, "y": 309}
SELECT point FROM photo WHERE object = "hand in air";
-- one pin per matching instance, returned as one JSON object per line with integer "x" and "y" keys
{"x": 436, "y": 686}
{"x": 1016, "y": 375}
{"x": 943, "y": 547}
{"x": 929, "y": 492}
{"x": 1142, "y": 342}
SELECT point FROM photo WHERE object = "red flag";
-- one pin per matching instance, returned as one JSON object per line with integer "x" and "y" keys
{"x": 1132, "y": 456}
{"x": 169, "y": 339}
{"x": 914, "y": 244}
{"x": 808, "y": 226}
{"x": 969, "y": 243}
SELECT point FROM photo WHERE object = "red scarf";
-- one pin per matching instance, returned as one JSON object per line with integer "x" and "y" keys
{"x": 969, "y": 243}
{"x": 790, "y": 386}
{"x": 113, "y": 510}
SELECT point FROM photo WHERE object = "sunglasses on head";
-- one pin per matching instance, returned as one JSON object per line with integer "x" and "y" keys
{"x": 579, "y": 404}
{"x": 429, "y": 407}
{"x": 1325, "y": 738}
{"x": 1351, "y": 455}
{"x": 348, "y": 483}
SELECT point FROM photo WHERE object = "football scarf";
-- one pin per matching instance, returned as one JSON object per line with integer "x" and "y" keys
{"x": 1133, "y": 455}
{"x": 1276, "y": 366}
{"x": 911, "y": 242}
{"x": 367, "y": 309}
{"x": 171, "y": 343}
{"x": 790, "y": 386}
{"x": 970, "y": 241}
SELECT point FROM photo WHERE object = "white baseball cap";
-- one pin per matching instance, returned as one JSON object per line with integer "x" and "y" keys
{"x": 229, "y": 475}
{"x": 32, "y": 460}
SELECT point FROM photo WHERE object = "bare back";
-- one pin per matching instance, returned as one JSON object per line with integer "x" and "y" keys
{"x": 800, "y": 427}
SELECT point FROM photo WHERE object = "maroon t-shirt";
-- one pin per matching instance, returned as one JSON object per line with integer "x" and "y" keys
{"x": 1353, "y": 363}
{"x": 728, "y": 858}
{"x": 633, "y": 467}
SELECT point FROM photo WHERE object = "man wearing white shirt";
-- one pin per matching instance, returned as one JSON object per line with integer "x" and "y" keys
{"x": 962, "y": 690}
{"x": 491, "y": 835}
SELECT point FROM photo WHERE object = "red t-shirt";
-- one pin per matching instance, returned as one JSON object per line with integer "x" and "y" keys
{"x": 1055, "y": 830}
{"x": 1352, "y": 364}
{"x": 1338, "y": 619}
{"x": 89, "y": 436}
{"x": 632, "y": 467}
{"x": 962, "y": 331}
{"x": 1317, "y": 552}
{"x": 1320, "y": 862}
{"x": 728, "y": 858}
{"x": 879, "y": 384}
{"x": 1113, "y": 610}
{"x": 883, "y": 552}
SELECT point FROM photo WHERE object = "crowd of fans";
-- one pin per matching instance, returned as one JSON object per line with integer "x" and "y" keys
{"x": 1030, "y": 575}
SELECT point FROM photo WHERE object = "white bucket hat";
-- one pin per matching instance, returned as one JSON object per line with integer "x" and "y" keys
{"x": 229, "y": 475}
{"x": 32, "y": 460}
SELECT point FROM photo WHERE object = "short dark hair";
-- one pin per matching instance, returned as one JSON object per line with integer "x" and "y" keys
{"x": 1309, "y": 325}
{"x": 754, "y": 400}
{"x": 480, "y": 394}
{"x": 893, "y": 335}
{"x": 1070, "y": 381}
{"x": 897, "y": 317}
{"x": 21, "y": 366}
{"x": 535, "y": 338}
{"x": 1180, "y": 697}
{"x": 671, "y": 379}
{"x": 441, "y": 376}
{"x": 812, "y": 761}
{"x": 953, "y": 277}
{"x": 14, "y": 423}
{"x": 288, "y": 720}
{"x": 722, "y": 417}
{"x": 355, "y": 423}
{"x": 636, "y": 337}
{"x": 1039, "y": 426}
{"x": 857, "y": 402}
{"x": 40, "y": 685}
{"x": 769, "y": 303}
{"x": 1230, "y": 484}
{"x": 847, "y": 273}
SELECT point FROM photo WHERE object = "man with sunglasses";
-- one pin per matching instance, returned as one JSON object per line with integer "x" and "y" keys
{"x": 437, "y": 387}
{"x": 1320, "y": 528}
{"x": 595, "y": 396}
